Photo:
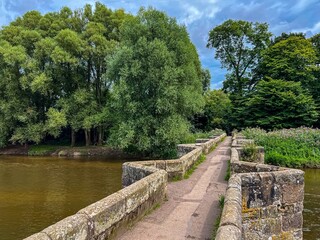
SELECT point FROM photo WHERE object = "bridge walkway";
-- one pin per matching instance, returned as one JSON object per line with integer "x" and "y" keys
{"x": 192, "y": 206}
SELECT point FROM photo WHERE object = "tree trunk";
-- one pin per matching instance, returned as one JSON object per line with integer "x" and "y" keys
{"x": 73, "y": 137}
{"x": 87, "y": 133}
{"x": 100, "y": 137}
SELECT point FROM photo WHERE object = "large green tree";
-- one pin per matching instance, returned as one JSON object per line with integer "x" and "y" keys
{"x": 217, "y": 112}
{"x": 157, "y": 84}
{"x": 290, "y": 59}
{"x": 238, "y": 45}
{"x": 49, "y": 59}
{"x": 278, "y": 104}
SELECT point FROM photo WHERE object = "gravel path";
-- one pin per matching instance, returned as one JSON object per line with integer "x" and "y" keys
{"x": 192, "y": 205}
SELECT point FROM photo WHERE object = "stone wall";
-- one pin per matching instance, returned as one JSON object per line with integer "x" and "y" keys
{"x": 176, "y": 168}
{"x": 145, "y": 186}
{"x": 262, "y": 201}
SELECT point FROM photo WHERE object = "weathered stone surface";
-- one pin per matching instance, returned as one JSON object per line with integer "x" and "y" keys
{"x": 234, "y": 182}
{"x": 228, "y": 233}
{"x": 269, "y": 212}
{"x": 263, "y": 227}
{"x": 75, "y": 227}
{"x": 106, "y": 212}
{"x": 136, "y": 194}
{"x": 157, "y": 182}
{"x": 234, "y": 194}
{"x": 161, "y": 164}
{"x": 38, "y": 236}
{"x": 272, "y": 198}
{"x": 174, "y": 166}
{"x": 231, "y": 214}
{"x": 292, "y": 222}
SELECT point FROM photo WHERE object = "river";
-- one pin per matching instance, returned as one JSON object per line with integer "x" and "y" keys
{"x": 36, "y": 192}
{"x": 311, "y": 214}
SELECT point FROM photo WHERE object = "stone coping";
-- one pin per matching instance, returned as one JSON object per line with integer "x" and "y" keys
{"x": 262, "y": 201}
{"x": 145, "y": 186}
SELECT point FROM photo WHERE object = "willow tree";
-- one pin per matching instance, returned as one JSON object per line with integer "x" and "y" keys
{"x": 157, "y": 84}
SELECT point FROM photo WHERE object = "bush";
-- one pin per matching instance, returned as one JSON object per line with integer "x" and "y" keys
{"x": 295, "y": 147}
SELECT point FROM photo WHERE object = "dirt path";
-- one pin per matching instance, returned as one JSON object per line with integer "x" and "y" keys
{"x": 192, "y": 205}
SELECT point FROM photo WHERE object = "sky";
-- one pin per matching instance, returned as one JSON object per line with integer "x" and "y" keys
{"x": 199, "y": 16}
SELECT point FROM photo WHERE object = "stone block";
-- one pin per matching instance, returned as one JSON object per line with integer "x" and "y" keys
{"x": 136, "y": 194}
{"x": 75, "y": 227}
{"x": 234, "y": 182}
{"x": 231, "y": 214}
{"x": 106, "y": 212}
{"x": 269, "y": 212}
{"x": 234, "y": 194}
{"x": 228, "y": 233}
{"x": 161, "y": 164}
{"x": 38, "y": 236}
{"x": 157, "y": 182}
{"x": 292, "y": 222}
{"x": 174, "y": 166}
{"x": 263, "y": 227}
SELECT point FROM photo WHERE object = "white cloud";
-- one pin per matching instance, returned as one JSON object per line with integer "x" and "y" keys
{"x": 192, "y": 14}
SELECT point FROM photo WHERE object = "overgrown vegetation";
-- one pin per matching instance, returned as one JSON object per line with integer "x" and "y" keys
{"x": 228, "y": 173}
{"x": 200, "y": 160}
{"x": 192, "y": 137}
{"x": 217, "y": 221}
{"x": 41, "y": 150}
{"x": 249, "y": 152}
{"x": 299, "y": 147}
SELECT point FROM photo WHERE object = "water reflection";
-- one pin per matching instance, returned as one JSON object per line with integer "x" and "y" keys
{"x": 37, "y": 192}
{"x": 311, "y": 213}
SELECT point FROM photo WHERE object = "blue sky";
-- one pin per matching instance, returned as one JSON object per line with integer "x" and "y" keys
{"x": 199, "y": 16}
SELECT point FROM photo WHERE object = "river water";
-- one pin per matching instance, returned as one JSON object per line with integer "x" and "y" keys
{"x": 311, "y": 214}
{"x": 36, "y": 192}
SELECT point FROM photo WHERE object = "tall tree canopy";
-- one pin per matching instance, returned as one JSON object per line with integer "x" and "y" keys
{"x": 157, "y": 84}
{"x": 291, "y": 59}
{"x": 48, "y": 63}
{"x": 238, "y": 46}
{"x": 278, "y": 104}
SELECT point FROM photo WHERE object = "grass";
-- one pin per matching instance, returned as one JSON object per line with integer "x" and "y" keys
{"x": 176, "y": 178}
{"x": 217, "y": 221}
{"x": 228, "y": 173}
{"x": 298, "y": 147}
{"x": 40, "y": 150}
{"x": 192, "y": 137}
{"x": 249, "y": 152}
{"x": 200, "y": 160}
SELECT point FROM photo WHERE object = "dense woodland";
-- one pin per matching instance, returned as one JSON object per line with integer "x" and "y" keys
{"x": 97, "y": 76}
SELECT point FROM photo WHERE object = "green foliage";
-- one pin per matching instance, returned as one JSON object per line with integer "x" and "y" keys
{"x": 228, "y": 173}
{"x": 157, "y": 85}
{"x": 47, "y": 64}
{"x": 192, "y": 137}
{"x": 278, "y": 104}
{"x": 296, "y": 147}
{"x": 191, "y": 170}
{"x": 41, "y": 150}
{"x": 238, "y": 46}
{"x": 217, "y": 110}
{"x": 206, "y": 79}
{"x": 217, "y": 221}
{"x": 249, "y": 152}
{"x": 290, "y": 59}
